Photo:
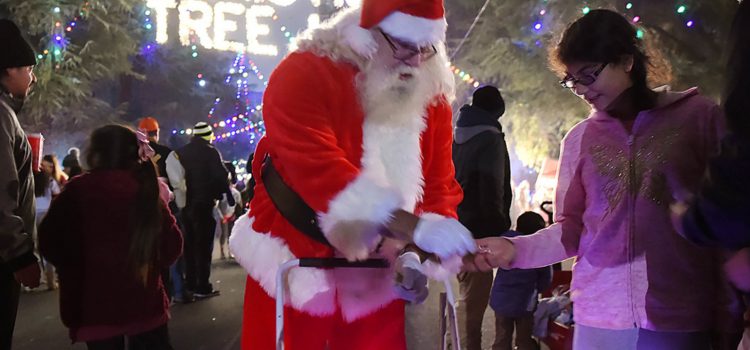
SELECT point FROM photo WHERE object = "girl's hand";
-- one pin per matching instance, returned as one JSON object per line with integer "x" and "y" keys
{"x": 493, "y": 252}
{"x": 737, "y": 269}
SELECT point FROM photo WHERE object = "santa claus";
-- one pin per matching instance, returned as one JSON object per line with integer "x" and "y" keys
{"x": 359, "y": 128}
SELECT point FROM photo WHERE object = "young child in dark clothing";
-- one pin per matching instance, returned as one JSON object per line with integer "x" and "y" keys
{"x": 109, "y": 234}
{"x": 514, "y": 294}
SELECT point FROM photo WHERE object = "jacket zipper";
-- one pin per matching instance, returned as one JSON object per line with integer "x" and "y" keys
{"x": 631, "y": 224}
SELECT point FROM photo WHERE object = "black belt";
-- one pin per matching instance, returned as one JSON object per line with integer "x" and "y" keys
{"x": 291, "y": 206}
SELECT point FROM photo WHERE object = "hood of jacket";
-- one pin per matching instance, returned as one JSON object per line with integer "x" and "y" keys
{"x": 473, "y": 121}
{"x": 14, "y": 103}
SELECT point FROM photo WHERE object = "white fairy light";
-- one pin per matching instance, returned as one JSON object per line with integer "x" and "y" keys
{"x": 223, "y": 25}
{"x": 255, "y": 29}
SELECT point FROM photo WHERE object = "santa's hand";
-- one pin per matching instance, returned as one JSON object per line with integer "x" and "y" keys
{"x": 443, "y": 269}
{"x": 443, "y": 237}
{"x": 411, "y": 282}
{"x": 354, "y": 239}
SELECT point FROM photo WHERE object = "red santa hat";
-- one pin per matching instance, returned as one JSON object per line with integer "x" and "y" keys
{"x": 420, "y": 22}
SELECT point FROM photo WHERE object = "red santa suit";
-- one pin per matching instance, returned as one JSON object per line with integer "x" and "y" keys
{"x": 346, "y": 168}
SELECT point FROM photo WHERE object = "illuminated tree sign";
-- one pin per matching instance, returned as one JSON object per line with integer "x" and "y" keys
{"x": 231, "y": 25}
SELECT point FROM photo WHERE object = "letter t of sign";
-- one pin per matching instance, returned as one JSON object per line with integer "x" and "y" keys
{"x": 198, "y": 25}
{"x": 160, "y": 7}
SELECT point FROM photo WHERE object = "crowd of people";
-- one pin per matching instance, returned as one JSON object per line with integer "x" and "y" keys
{"x": 127, "y": 193}
{"x": 108, "y": 235}
{"x": 361, "y": 160}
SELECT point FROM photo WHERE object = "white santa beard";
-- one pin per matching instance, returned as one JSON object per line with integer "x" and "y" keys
{"x": 395, "y": 116}
{"x": 388, "y": 99}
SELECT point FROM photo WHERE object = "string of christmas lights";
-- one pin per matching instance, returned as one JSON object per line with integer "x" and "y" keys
{"x": 58, "y": 42}
{"x": 681, "y": 9}
{"x": 465, "y": 77}
{"x": 244, "y": 109}
{"x": 538, "y": 26}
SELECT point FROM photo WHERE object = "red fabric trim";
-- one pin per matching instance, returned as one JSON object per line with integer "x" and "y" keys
{"x": 383, "y": 329}
{"x": 442, "y": 193}
{"x": 374, "y": 11}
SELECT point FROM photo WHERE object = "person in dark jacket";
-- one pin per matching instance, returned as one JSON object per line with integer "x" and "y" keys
{"x": 150, "y": 126}
{"x": 110, "y": 234}
{"x": 249, "y": 191}
{"x": 514, "y": 294}
{"x": 18, "y": 264}
{"x": 207, "y": 180}
{"x": 480, "y": 156}
{"x": 71, "y": 163}
{"x": 718, "y": 215}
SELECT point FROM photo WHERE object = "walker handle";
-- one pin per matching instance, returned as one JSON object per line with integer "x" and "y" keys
{"x": 341, "y": 262}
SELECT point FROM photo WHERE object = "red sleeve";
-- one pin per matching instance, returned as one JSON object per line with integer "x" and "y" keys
{"x": 442, "y": 193}
{"x": 59, "y": 234}
{"x": 300, "y": 107}
{"x": 299, "y": 129}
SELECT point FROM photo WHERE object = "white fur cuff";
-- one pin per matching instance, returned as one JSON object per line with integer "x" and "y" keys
{"x": 363, "y": 206}
{"x": 360, "y": 40}
{"x": 261, "y": 254}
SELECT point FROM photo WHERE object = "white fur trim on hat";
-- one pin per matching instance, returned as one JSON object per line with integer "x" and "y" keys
{"x": 360, "y": 40}
{"x": 417, "y": 30}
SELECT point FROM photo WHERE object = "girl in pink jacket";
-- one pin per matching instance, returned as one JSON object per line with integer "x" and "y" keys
{"x": 637, "y": 284}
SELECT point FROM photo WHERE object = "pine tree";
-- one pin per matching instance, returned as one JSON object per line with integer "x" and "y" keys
{"x": 508, "y": 48}
{"x": 81, "y": 43}
{"x": 84, "y": 47}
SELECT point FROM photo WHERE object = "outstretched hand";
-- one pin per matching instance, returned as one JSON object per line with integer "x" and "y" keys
{"x": 493, "y": 252}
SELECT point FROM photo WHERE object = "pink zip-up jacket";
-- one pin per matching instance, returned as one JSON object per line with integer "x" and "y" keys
{"x": 612, "y": 211}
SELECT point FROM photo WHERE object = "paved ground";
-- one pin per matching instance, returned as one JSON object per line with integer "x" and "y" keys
{"x": 210, "y": 324}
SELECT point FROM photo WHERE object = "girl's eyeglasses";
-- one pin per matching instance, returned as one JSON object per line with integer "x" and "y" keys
{"x": 570, "y": 81}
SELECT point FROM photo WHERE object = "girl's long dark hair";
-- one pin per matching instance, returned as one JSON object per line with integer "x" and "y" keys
{"x": 737, "y": 90}
{"x": 116, "y": 147}
{"x": 602, "y": 36}
{"x": 41, "y": 183}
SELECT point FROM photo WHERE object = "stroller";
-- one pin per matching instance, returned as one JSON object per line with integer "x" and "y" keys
{"x": 559, "y": 336}
{"x": 448, "y": 316}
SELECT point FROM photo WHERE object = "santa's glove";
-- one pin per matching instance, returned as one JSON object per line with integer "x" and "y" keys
{"x": 443, "y": 237}
{"x": 354, "y": 239}
{"x": 444, "y": 269}
{"x": 411, "y": 282}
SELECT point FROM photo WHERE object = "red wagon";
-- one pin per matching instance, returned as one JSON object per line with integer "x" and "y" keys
{"x": 560, "y": 336}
